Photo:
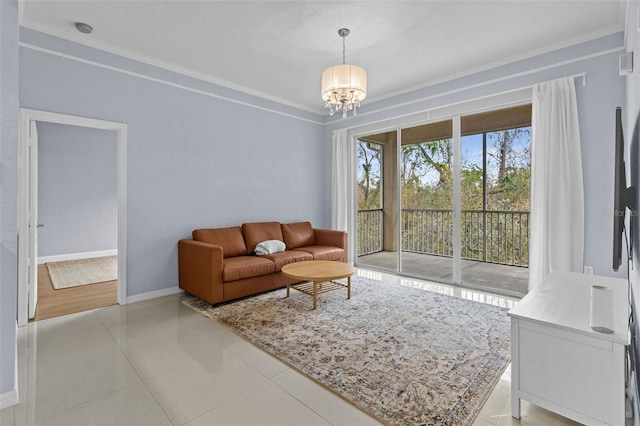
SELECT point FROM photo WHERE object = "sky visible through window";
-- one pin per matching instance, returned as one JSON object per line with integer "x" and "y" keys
{"x": 471, "y": 148}
{"x": 429, "y": 169}
{"x": 471, "y": 153}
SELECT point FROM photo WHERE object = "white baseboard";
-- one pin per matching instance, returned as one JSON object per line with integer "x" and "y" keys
{"x": 10, "y": 398}
{"x": 76, "y": 256}
{"x": 154, "y": 294}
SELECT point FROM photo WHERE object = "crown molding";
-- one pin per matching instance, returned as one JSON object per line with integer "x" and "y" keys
{"x": 168, "y": 66}
{"x": 503, "y": 62}
{"x": 163, "y": 81}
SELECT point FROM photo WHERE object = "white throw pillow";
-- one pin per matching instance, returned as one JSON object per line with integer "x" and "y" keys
{"x": 269, "y": 247}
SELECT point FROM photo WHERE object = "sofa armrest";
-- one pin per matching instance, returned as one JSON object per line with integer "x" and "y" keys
{"x": 331, "y": 237}
{"x": 200, "y": 270}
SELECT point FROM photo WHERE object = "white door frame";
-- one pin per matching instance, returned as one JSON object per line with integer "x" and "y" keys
{"x": 32, "y": 237}
{"x": 24, "y": 167}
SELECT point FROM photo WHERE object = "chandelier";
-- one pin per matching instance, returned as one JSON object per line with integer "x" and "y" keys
{"x": 344, "y": 86}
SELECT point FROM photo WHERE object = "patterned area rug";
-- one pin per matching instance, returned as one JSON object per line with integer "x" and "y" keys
{"x": 403, "y": 355}
{"x": 73, "y": 273}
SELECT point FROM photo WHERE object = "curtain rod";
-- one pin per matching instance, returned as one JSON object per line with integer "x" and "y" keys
{"x": 497, "y": 80}
{"x": 584, "y": 78}
{"x": 582, "y": 75}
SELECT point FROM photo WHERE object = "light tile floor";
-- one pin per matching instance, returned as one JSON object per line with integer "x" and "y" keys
{"x": 159, "y": 362}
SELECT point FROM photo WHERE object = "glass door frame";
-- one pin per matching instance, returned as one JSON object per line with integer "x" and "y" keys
{"x": 452, "y": 112}
{"x": 456, "y": 131}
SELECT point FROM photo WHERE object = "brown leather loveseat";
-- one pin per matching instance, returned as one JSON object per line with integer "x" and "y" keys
{"x": 219, "y": 264}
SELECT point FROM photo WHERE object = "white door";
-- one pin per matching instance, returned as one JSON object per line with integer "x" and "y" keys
{"x": 32, "y": 276}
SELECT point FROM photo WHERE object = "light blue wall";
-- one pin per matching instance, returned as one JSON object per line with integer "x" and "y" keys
{"x": 193, "y": 159}
{"x": 77, "y": 189}
{"x": 596, "y": 108}
{"x": 8, "y": 192}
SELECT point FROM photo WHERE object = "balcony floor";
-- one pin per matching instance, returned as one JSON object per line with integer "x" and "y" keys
{"x": 512, "y": 280}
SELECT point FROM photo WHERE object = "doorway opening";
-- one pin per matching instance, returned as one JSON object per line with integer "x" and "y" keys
{"x": 63, "y": 243}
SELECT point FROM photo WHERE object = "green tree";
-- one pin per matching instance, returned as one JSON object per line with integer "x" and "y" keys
{"x": 471, "y": 184}
{"x": 369, "y": 175}
{"x": 426, "y": 177}
{"x": 509, "y": 169}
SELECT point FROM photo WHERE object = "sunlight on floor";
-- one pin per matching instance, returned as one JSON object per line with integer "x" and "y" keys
{"x": 449, "y": 290}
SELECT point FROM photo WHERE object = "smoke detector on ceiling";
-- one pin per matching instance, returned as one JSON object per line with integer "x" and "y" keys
{"x": 84, "y": 28}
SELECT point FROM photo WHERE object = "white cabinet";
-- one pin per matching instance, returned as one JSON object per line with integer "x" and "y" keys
{"x": 558, "y": 362}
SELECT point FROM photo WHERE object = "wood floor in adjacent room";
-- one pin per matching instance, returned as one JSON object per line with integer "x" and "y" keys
{"x": 54, "y": 303}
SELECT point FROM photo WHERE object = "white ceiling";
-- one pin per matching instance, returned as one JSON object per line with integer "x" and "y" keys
{"x": 278, "y": 49}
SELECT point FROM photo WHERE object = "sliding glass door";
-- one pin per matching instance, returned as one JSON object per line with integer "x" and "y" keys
{"x": 377, "y": 216}
{"x": 426, "y": 200}
{"x": 495, "y": 195}
{"x": 449, "y": 208}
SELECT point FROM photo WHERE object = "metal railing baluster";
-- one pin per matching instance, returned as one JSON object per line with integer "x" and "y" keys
{"x": 429, "y": 231}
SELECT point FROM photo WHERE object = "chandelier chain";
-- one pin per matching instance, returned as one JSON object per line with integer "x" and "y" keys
{"x": 344, "y": 37}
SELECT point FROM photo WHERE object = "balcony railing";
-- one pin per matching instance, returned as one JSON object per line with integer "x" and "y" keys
{"x": 369, "y": 231}
{"x": 487, "y": 236}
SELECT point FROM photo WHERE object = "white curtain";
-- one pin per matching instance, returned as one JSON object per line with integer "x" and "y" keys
{"x": 343, "y": 201}
{"x": 557, "y": 199}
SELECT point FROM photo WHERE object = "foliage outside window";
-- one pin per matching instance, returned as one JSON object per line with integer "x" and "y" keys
{"x": 426, "y": 172}
{"x": 369, "y": 176}
{"x": 495, "y": 182}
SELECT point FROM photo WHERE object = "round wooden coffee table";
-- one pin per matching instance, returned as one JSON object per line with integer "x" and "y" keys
{"x": 319, "y": 276}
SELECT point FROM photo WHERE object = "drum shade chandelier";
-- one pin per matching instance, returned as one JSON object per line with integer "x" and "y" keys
{"x": 344, "y": 86}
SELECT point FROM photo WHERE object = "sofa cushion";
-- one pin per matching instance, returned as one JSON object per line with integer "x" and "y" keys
{"x": 286, "y": 257}
{"x": 257, "y": 232}
{"x": 298, "y": 234}
{"x": 324, "y": 252}
{"x": 240, "y": 267}
{"x": 230, "y": 239}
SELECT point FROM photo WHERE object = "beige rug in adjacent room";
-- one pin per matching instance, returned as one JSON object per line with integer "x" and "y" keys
{"x": 73, "y": 273}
